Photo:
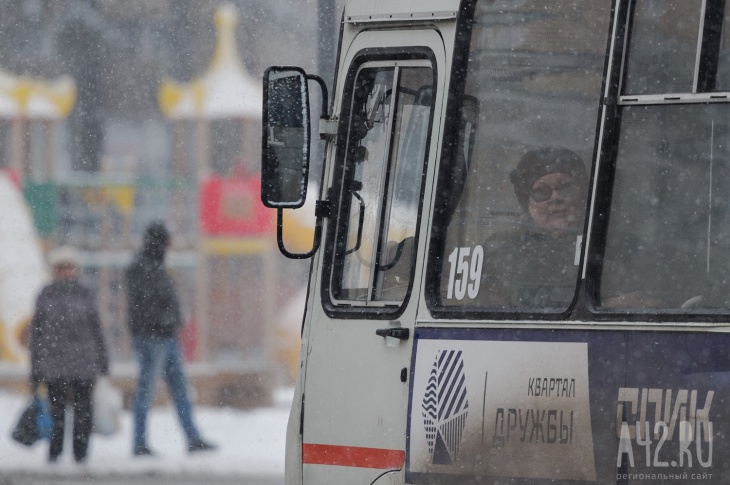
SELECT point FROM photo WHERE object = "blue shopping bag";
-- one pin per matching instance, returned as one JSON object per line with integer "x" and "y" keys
{"x": 43, "y": 418}
{"x": 35, "y": 422}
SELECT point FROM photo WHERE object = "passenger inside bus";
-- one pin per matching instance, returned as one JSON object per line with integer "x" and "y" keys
{"x": 533, "y": 265}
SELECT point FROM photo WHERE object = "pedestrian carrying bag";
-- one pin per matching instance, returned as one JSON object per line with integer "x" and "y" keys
{"x": 108, "y": 405}
{"x": 35, "y": 422}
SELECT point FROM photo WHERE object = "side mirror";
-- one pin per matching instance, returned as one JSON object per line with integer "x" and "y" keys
{"x": 286, "y": 133}
{"x": 285, "y": 154}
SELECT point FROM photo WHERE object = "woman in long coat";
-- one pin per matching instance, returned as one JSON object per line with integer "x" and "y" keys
{"x": 68, "y": 352}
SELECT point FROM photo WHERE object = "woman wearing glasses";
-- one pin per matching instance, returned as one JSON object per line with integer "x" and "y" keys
{"x": 535, "y": 264}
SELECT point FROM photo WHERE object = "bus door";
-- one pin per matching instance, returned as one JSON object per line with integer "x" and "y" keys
{"x": 361, "y": 336}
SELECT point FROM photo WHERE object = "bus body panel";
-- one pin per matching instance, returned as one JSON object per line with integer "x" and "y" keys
{"x": 565, "y": 405}
{"x": 353, "y": 431}
{"x": 381, "y": 8}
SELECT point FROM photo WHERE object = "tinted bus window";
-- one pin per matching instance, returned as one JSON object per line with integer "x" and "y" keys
{"x": 514, "y": 186}
{"x": 669, "y": 225}
{"x": 668, "y": 234}
{"x": 723, "y": 74}
{"x": 662, "y": 52}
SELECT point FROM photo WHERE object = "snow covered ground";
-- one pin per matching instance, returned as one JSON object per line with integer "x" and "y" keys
{"x": 250, "y": 443}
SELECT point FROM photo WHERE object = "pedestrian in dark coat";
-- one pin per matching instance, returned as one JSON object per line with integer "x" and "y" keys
{"x": 154, "y": 322}
{"x": 67, "y": 350}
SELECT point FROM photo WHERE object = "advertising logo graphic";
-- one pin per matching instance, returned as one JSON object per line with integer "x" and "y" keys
{"x": 445, "y": 407}
{"x": 496, "y": 408}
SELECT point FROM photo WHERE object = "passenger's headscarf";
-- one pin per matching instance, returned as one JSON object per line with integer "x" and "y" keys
{"x": 536, "y": 164}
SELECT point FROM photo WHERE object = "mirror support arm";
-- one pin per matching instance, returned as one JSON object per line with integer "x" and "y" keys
{"x": 322, "y": 210}
{"x": 327, "y": 125}
{"x": 325, "y": 96}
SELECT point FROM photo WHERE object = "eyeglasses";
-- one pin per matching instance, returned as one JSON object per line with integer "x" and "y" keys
{"x": 567, "y": 190}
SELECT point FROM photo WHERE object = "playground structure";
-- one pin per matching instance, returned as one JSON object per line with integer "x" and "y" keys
{"x": 22, "y": 269}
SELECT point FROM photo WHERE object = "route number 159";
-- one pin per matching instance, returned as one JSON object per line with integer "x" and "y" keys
{"x": 465, "y": 274}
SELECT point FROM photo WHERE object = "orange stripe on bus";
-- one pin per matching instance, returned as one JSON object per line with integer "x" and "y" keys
{"x": 352, "y": 456}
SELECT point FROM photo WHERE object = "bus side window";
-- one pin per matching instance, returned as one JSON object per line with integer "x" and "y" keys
{"x": 668, "y": 234}
{"x": 382, "y": 183}
{"x": 669, "y": 225}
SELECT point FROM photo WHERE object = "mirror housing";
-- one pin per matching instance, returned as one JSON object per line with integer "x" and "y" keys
{"x": 286, "y": 138}
{"x": 286, "y": 141}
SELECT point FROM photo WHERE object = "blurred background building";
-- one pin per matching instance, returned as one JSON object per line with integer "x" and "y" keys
{"x": 114, "y": 113}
